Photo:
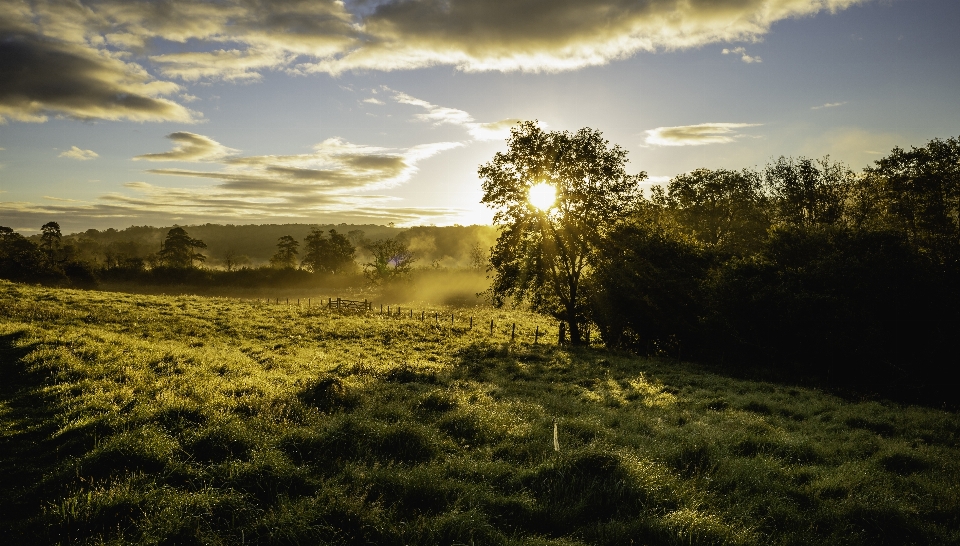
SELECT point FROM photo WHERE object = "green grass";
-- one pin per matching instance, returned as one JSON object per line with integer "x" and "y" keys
{"x": 179, "y": 420}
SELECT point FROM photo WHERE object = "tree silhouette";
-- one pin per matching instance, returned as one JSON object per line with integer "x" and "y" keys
{"x": 546, "y": 256}
{"x": 51, "y": 241}
{"x": 286, "y": 256}
{"x": 323, "y": 255}
{"x": 177, "y": 249}
{"x": 391, "y": 260}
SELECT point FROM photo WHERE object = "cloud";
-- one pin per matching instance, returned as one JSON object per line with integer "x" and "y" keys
{"x": 93, "y": 60}
{"x": 228, "y": 65}
{"x": 337, "y": 181}
{"x": 190, "y": 147}
{"x": 828, "y": 105}
{"x": 77, "y": 153}
{"x": 441, "y": 115}
{"x": 44, "y": 77}
{"x": 743, "y": 55}
{"x": 373, "y": 100}
{"x": 696, "y": 135}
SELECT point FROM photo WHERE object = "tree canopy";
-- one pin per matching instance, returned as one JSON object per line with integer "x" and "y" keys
{"x": 286, "y": 256}
{"x": 544, "y": 254}
{"x": 328, "y": 255}
{"x": 177, "y": 249}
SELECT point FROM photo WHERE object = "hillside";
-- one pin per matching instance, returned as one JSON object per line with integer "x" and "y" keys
{"x": 178, "y": 419}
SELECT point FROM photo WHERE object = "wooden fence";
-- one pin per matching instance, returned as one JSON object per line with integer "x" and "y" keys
{"x": 348, "y": 305}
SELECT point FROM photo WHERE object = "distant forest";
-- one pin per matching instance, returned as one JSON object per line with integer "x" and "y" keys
{"x": 254, "y": 245}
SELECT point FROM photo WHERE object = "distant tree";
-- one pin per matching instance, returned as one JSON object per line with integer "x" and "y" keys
{"x": 545, "y": 255}
{"x": 327, "y": 255}
{"x": 391, "y": 260}
{"x": 177, "y": 249}
{"x": 232, "y": 259}
{"x": 478, "y": 257}
{"x": 22, "y": 260}
{"x": 286, "y": 256}
{"x": 51, "y": 241}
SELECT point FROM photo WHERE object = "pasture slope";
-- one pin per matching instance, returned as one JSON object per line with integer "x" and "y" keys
{"x": 131, "y": 419}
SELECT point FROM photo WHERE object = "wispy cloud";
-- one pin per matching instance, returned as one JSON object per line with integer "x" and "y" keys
{"x": 828, "y": 105}
{"x": 696, "y": 135}
{"x": 373, "y": 100}
{"x": 78, "y": 154}
{"x": 743, "y": 55}
{"x": 337, "y": 181}
{"x": 190, "y": 147}
{"x": 87, "y": 61}
{"x": 442, "y": 115}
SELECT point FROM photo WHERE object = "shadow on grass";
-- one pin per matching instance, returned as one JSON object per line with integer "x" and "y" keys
{"x": 26, "y": 428}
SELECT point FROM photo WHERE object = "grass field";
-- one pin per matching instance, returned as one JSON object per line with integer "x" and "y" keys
{"x": 180, "y": 420}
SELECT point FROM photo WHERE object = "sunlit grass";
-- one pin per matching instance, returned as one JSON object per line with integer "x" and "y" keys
{"x": 179, "y": 419}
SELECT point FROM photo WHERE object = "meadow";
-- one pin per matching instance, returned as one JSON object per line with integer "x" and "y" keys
{"x": 164, "y": 419}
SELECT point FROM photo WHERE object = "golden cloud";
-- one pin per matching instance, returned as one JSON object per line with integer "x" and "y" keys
{"x": 76, "y": 59}
{"x": 696, "y": 135}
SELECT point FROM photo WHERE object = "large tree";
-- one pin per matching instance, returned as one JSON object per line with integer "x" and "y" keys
{"x": 392, "y": 259}
{"x": 327, "y": 255}
{"x": 177, "y": 249}
{"x": 286, "y": 256}
{"x": 546, "y": 250}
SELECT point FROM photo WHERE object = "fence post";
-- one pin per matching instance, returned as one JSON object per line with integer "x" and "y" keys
{"x": 536, "y": 335}
{"x": 471, "y": 322}
{"x": 513, "y": 332}
{"x": 491, "y": 327}
{"x": 338, "y": 303}
{"x": 451, "y": 318}
{"x": 423, "y": 315}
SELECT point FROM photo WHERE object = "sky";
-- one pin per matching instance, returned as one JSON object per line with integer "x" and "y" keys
{"x": 116, "y": 113}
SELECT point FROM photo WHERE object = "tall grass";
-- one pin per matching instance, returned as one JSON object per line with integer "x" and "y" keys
{"x": 179, "y": 419}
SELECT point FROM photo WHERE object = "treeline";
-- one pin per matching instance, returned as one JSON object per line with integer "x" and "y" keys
{"x": 229, "y": 246}
{"x": 178, "y": 257}
{"x": 803, "y": 267}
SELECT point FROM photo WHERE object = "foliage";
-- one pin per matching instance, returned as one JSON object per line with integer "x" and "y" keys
{"x": 545, "y": 256}
{"x": 286, "y": 255}
{"x": 53, "y": 264}
{"x": 918, "y": 192}
{"x": 392, "y": 260}
{"x": 323, "y": 255}
{"x": 177, "y": 249}
{"x": 807, "y": 193}
{"x": 128, "y": 419}
{"x": 803, "y": 269}
{"x": 725, "y": 210}
{"x": 649, "y": 292}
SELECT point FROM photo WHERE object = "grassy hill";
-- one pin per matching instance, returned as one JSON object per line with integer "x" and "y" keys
{"x": 179, "y": 419}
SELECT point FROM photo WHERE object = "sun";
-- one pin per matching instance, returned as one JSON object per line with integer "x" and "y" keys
{"x": 542, "y": 195}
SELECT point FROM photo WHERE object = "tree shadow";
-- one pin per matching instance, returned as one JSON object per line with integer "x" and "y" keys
{"x": 28, "y": 446}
